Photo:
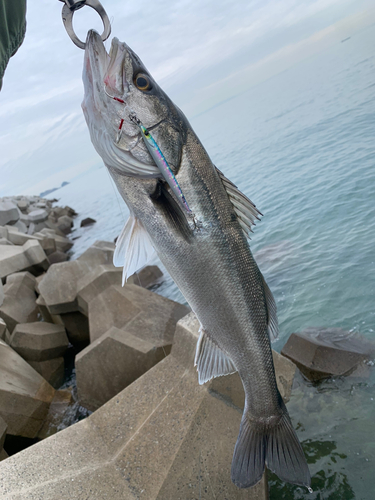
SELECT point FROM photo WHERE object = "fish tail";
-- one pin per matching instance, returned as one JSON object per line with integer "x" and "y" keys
{"x": 273, "y": 444}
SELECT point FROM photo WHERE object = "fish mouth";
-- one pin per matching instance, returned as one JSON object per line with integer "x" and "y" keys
{"x": 103, "y": 78}
{"x": 104, "y": 67}
{"x": 96, "y": 58}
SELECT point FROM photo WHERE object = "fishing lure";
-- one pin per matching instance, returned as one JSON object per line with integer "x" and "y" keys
{"x": 161, "y": 163}
{"x": 156, "y": 155}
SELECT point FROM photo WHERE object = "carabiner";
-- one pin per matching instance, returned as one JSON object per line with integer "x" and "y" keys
{"x": 67, "y": 16}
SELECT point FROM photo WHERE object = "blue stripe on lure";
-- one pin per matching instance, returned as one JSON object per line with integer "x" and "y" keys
{"x": 161, "y": 163}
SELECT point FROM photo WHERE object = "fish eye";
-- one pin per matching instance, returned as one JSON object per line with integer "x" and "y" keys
{"x": 142, "y": 82}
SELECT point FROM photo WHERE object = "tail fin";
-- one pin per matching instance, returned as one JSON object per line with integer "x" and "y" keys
{"x": 273, "y": 444}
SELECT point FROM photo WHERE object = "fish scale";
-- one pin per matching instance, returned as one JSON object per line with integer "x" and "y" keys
{"x": 210, "y": 262}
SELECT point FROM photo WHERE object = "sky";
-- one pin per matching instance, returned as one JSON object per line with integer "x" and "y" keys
{"x": 201, "y": 53}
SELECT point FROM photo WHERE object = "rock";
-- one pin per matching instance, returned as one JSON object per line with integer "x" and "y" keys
{"x": 39, "y": 341}
{"x": 146, "y": 277}
{"x": 52, "y": 370}
{"x": 19, "y": 304}
{"x": 28, "y": 257}
{"x": 100, "y": 253}
{"x": 87, "y": 222}
{"x": 94, "y": 283}
{"x": 323, "y": 352}
{"x": 9, "y": 213}
{"x": 24, "y": 394}
{"x": 39, "y": 215}
{"x": 139, "y": 311}
{"x": 164, "y": 437}
{"x": 59, "y": 286}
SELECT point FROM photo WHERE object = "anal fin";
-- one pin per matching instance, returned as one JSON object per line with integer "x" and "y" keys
{"x": 210, "y": 360}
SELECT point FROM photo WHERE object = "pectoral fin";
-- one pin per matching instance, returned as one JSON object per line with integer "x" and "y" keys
{"x": 210, "y": 360}
{"x": 133, "y": 248}
{"x": 244, "y": 208}
{"x": 272, "y": 323}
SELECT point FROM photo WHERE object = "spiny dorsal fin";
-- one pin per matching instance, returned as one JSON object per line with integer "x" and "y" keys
{"x": 245, "y": 209}
{"x": 272, "y": 323}
{"x": 210, "y": 360}
{"x": 133, "y": 248}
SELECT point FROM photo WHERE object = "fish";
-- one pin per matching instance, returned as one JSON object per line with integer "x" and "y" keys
{"x": 206, "y": 251}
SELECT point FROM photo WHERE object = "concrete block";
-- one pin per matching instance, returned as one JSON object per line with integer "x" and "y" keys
{"x": 4, "y": 241}
{"x": 59, "y": 286}
{"x": 23, "y": 205}
{"x": 59, "y": 409}
{"x": 3, "y": 432}
{"x": 4, "y": 332}
{"x": 145, "y": 314}
{"x": 163, "y": 418}
{"x": 57, "y": 257}
{"x": 146, "y": 277}
{"x": 19, "y": 305}
{"x": 111, "y": 363}
{"x": 323, "y": 352}
{"x": 100, "y": 253}
{"x": 20, "y": 225}
{"x": 9, "y": 213}
{"x": 38, "y": 215}
{"x": 94, "y": 283}
{"x": 63, "y": 244}
{"x": 65, "y": 224}
{"x": 77, "y": 327}
{"x": 39, "y": 341}
{"x": 52, "y": 370}
{"x": 48, "y": 245}
{"x": 1, "y": 293}
{"x": 28, "y": 257}
{"x": 24, "y": 394}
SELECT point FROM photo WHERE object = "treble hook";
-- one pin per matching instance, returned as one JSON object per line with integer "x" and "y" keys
{"x": 67, "y": 16}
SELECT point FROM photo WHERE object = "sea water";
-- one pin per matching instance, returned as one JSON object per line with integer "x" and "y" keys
{"x": 301, "y": 146}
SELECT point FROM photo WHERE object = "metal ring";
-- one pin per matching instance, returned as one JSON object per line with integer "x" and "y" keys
{"x": 67, "y": 17}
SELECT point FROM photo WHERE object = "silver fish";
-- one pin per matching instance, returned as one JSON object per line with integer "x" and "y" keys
{"x": 211, "y": 262}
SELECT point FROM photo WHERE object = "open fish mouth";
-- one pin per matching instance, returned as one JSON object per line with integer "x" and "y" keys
{"x": 105, "y": 109}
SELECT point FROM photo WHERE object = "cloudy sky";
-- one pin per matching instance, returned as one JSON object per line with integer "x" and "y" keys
{"x": 201, "y": 52}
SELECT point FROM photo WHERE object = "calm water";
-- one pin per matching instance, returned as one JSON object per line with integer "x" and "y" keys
{"x": 302, "y": 147}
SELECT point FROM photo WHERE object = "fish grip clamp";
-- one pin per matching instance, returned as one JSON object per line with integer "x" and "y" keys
{"x": 67, "y": 16}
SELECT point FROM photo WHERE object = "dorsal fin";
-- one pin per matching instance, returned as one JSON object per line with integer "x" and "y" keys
{"x": 210, "y": 360}
{"x": 272, "y": 323}
{"x": 133, "y": 248}
{"x": 245, "y": 209}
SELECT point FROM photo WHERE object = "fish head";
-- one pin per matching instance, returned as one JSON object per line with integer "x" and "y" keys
{"x": 118, "y": 88}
